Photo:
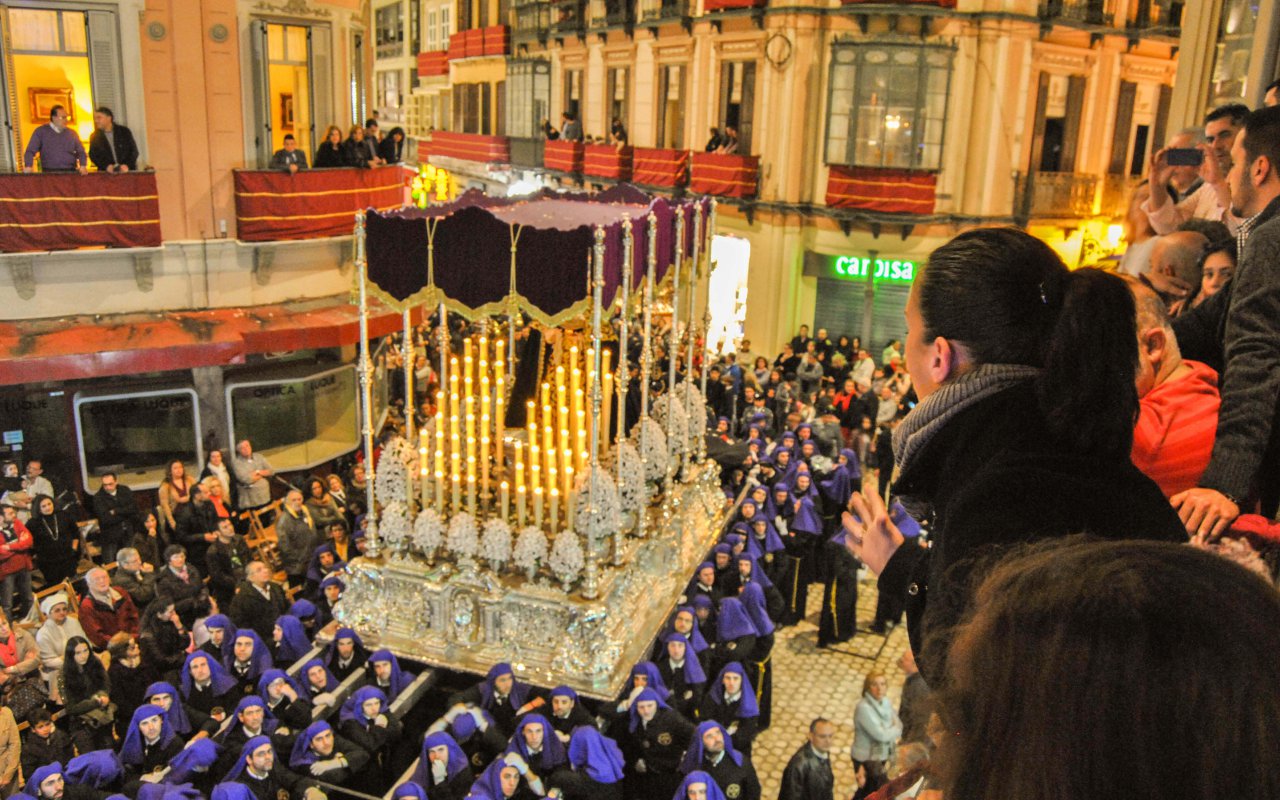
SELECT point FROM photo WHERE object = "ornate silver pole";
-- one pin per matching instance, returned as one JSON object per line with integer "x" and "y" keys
{"x": 590, "y": 588}
{"x": 646, "y": 359}
{"x": 673, "y": 347}
{"x": 624, "y": 370}
{"x": 374, "y": 546}
{"x": 711, "y": 236}
{"x": 693, "y": 331}
{"x": 406, "y": 350}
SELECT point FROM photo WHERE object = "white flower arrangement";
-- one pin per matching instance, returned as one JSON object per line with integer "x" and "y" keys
{"x": 678, "y": 424}
{"x": 464, "y": 535}
{"x": 391, "y": 481}
{"x": 695, "y": 409}
{"x": 654, "y": 451}
{"x": 428, "y": 532}
{"x": 530, "y": 550}
{"x": 394, "y": 525}
{"x": 608, "y": 517}
{"x": 630, "y": 470}
{"x": 566, "y": 559}
{"x": 495, "y": 543}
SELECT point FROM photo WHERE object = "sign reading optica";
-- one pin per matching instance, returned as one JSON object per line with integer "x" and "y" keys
{"x": 882, "y": 270}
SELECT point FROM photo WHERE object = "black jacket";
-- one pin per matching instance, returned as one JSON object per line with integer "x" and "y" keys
{"x": 994, "y": 477}
{"x": 807, "y": 777}
{"x": 126, "y": 149}
{"x": 328, "y": 156}
{"x": 118, "y": 516}
{"x": 249, "y": 609}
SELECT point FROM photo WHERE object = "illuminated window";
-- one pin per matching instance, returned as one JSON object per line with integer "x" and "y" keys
{"x": 39, "y": 31}
{"x": 136, "y": 435}
{"x": 296, "y": 423}
{"x": 389, "y": 31}
{"x": 887, "y": 105}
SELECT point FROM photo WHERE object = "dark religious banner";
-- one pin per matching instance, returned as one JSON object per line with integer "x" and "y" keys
{"x": 897, "y": 191}
{"x": 479, "y": 254}
{"x": 63, "y": 211}
{"x": 272, "y": 205}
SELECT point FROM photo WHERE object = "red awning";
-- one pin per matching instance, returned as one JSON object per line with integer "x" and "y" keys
{"x": 87, "y": 347}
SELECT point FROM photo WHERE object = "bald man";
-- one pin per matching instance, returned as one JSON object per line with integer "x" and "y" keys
{"x": 1175, "y": 264}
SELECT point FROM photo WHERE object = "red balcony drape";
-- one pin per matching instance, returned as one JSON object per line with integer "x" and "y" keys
{"x": 63, "y": 211}
{"x": 896, "y": 191}
{"x": 659, "y": 167}
{"x": 273, "y": 205}
{"x": 725, "y": 175}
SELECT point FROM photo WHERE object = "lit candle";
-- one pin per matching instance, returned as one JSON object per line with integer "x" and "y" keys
{"x": 457, "y": 493}
{"x": 484, "y": 455}
{"x": 582, "y": 438}
{"x": 606, "y": 409}
{"x": 548, "y": 451}
{"x": 537, "y": 507}
{"x": 468, "y": 385}
{"x": 545, "y": 399}
{"x": 520, "y": 505}
{"x": 470, "y": 419}
{"x": 504, "y": 494}
{"x": 499, "y": 419}
{"x": 570, "y": 510}
{"x": 453, "y": 383}
{"x": 440, "y": 490}
{"x": 568, "y": 477}
{"x": 519, "y": 464}
{"x": 471, "y": 492}
{"x": 423, "y": 461}
{"x": 555, "y": 509}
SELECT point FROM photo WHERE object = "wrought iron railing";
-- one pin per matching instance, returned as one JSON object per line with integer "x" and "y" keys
{"x": 1055, "y": 194}
{"x": 652, "y": 10}
{"x": 1090, "y": 12}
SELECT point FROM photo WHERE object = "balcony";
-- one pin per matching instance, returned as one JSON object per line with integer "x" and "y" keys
{"x": 64, "y": 211}
{"x": 1116, "y": 191}
{"x": 563, "y": 156}
{"x": 466, "y": 147}
{"x": 1080, "y": 12}
{"x": 663, "y": 10}
{"x": 273, "y": 206}
{"x": 1161, "y": 18}
{"x": 888, "y": 191}
{"x": 478, "y": 42}
{"x": 725, "y": 175}
{"x": 568, "y": 17}
{"x": 533, "y": 20}
{"x": 729, "y": 5}
{"x": 433, "y": 64}
{"x": 607, "y": 161}
{"x": 1055, "y": 194}
{"x": 659, "y": 167}
{"x": 938, "y": 3}
{"x": 603, "y": 14}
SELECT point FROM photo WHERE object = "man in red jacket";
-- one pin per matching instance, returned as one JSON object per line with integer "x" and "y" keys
{"x": 106, "y": 610}
{"x": 1178, "y": 402}
{"x": 15, "y": 562}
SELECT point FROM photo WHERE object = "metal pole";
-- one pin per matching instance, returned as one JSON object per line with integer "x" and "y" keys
{"x": 406, "y": 349}
{"x": 706, "y": 317}
{"x": 672, "y": 350}
{"x": 366, "y": 389}
{"x": 692, "y": 332}
{"x": 624, "y": 369}
{"x": 646, "y": 357}
{"x": 591, "y": 583}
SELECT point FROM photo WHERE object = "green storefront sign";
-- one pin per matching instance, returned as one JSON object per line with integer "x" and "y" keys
{"x": 881, "y": 270}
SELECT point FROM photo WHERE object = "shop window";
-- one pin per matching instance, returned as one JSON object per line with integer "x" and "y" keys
{"x": 299, "y": 422}
{"x": 136, "y": 435}
{"x": 887, "y": 105}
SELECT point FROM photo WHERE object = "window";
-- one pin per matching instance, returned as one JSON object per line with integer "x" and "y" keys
{"x": 887, "y": 105}
{"x": 618, "y": 90}
{"x": 573, "y": 92}
{"x": 415, "y": 27}
{"x": 737, "y": 100}
{"x": 388, "y": 83}
{"x": 529, "y": 99}
{"x": 472, "y": 108}
{"x": 296, "y": 423}
{"x": 446, "y": 27}
{"x": 136, "y": 435}
{"x": 389, "y": 31}
{"x": 433, "y": 35}
{"x": 39, "y": 31}
{"x": 671, "y": 106}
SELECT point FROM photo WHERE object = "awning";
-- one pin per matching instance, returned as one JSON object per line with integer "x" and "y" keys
{"x": 88, "y": 347}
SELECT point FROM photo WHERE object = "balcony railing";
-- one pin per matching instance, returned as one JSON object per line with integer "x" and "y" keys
{"x": 527, "y": 153}
{"x": 568, "y": 16}
{"x": 1161, "y": 17}
{"x": 563, "y": 156}
{"x": 725, "y": 175}
{"x": 64, "y": 211}
{"x": 660, "y": 167}
{"x": 491, "y": 41}
{"x": 655, "y": 10}
{"x": 1088, "y": 12}
{"x": 532, "y": 20}
{"x": 466, "y": 147}
{"x": 1114, "y": 197}
{"x": 726, "y": 5}
{"x": 433, "y": 63}
{"x": 1055, "y": 194}
{"x": 607, "y": 161}
{"x": 888, "y": 191}
{"x": 272, "y": 205}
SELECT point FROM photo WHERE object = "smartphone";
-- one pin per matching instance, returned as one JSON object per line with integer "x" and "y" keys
{"x": 1184, "y": 157}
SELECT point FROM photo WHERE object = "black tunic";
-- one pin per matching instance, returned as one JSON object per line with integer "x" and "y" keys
{"x": 839, "y": 620}
{"x": 661, "y": 744}
{"x": 685, "y": 697}
{"x": 727, "y": 714}
{"x": 739, "y": 782}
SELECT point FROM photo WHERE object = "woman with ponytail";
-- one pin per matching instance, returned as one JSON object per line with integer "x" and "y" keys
{"x": 1025, "y": 373}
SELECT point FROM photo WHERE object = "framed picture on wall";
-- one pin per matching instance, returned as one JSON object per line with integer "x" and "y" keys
{"x": 286, "y": 111}
{"x": 44, "y": 99}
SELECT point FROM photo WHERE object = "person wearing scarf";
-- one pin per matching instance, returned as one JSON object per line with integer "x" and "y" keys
{"x": 567, "y": 712}
{"x": 786, "y": 466}
{"x": 290, "y": 640}
{"x": 839, "y": 622}
{"x": 760, "y": 496}
{"x": 731, "y": 701}
{"x": 195, "y": 765}
{"x": 58, "y": 629}
{"x": 166, "y": 791}
{"x": 148, "y": 746}
{"x": 712, "y": 752}
{"x": 385, "y": 673}
{"x": 737, "y": 540}
{"x": 722, "y": 557}
{"x": 306, "y": 611}
{"x": 443, "y": 767}
{"x": 508, "y": 778}
{"x": 319, "y": 682}
{"x": 367, "y": 721}
{"x": 537, "y": 744}
{"x": 748, "y": 571}
{"x": 221, "y": 636}
{"x": 703, "y": 583}
{"x": 760, "y": 665}
{"x": 249, "y": 659}
{"x": 286, "y": 701}
{"x": 207, "y": 691}
{"x": 257, "y": 767}
{"x": 597, "y": 768}
{"x": 704, "y": 614}
{"x": 804, "y": 530}
{"x": 324, "y": 562}
{"x": 346, "y": 655}
{"x": 684, "y": 621}
{"x": 321, "y": 753}
{"x": 698, "y": 785}
{"x": 165, "y": 697}
{"x": 735, "y": 633}
{"x": 502, "y": 696}
{"x": 251, "y": 720}
{"x": 653, "y": 742}
{"x": 876, "y": 730}
{"x": 679, "y": 669}
{"x": 331, "y": 589}
{"x": 182, "y": 581}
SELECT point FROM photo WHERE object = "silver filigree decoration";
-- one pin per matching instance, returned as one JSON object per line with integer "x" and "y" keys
{"x": 679, "y": 422}
{"x": 566, "y": 560}
{"x": 495, "y": 543}
{"x": 391, "y": 482}
{"x": 464, "y": 536}
{"x": 630, "y": 470}
{"x": 394, "y": 526}
{"x": 530, "y": 550}
{"x": 654, "y": 451}
{"x": 603, "y": 492}
{"x": 428, "y": 532}
{"x": 695, "y": 410}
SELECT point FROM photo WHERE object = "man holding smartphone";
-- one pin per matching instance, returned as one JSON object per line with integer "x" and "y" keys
{"x": 1212, "y": 200}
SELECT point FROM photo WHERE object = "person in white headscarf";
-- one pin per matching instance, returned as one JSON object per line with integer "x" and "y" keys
{"x": 58, "y": 628}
